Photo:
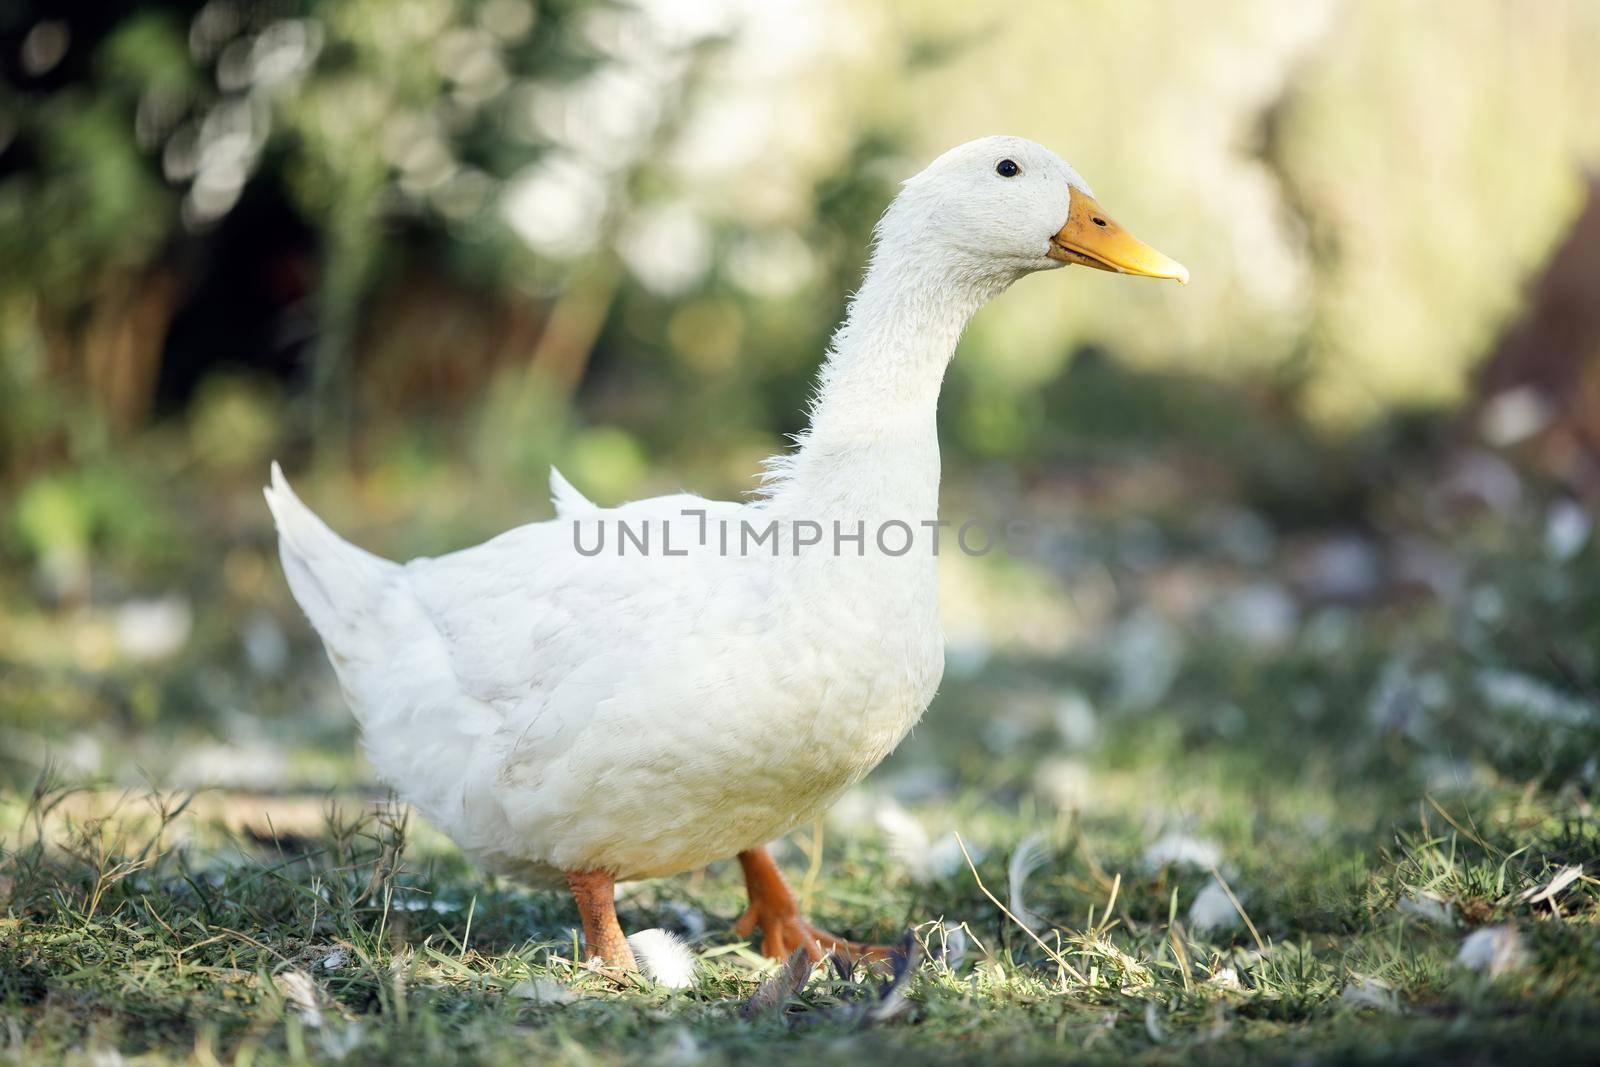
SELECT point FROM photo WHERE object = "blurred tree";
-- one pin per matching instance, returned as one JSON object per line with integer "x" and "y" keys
{"x": 443, "y": 188}
{"x": 1540, "y": 389}
{"x": 438, "y": 220}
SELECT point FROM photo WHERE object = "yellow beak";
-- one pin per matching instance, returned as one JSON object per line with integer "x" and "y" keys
{"x": 1093, "y": 239}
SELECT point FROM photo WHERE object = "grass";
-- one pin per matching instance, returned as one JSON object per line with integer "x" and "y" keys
{"x": 1395, "y": 793}
{"x": 155, "y": 929}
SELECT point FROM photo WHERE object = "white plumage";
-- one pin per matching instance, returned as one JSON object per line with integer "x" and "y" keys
{"x": 636, "y": 714}
{"x": 640, "y": 713}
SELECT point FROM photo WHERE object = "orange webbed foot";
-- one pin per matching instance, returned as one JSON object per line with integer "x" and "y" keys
{"x": 775, "y": 913}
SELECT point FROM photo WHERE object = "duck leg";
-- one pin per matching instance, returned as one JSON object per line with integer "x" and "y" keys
{"x": 596, "y": 895}
{"x": 783, "y": 929}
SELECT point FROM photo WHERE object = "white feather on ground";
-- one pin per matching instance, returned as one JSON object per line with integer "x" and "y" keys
{"x": 301, "y": 996}
{"x": 1179, "y": 850}
{"x": 1152, "y": 1023}
{"x": 544, "y": 991}
{"x": 1212, "y": 910}
{"x": 1076, "y": 721}
{"x": 1067, "y": 783}
{"x": 1028, "y": 857}
{"x": 1364, "y": 992}
{"x": 1548, "y": 892}
{"x": 1225, "y": 978}
{"x": 1493, "y": 950}
{"x": 924, "y": 859}
{"x": 908, "y": 841}
{"x": 1429, "y": 907}
{"x": 664, "y": 958}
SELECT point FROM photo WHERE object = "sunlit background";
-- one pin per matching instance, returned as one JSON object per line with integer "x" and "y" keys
{"x": 1288, "y": 733}
{"x": 421, "y": 250}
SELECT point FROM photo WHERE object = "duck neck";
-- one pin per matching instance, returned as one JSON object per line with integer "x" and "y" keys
{"x": 872, "y": 448}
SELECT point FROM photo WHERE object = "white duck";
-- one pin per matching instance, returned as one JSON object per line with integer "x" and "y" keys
{"x": 698, "y": 688}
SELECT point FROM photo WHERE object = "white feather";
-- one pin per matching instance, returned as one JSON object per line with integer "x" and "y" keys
{"x": 1225, "y": 978}
{"x": 301, "y": 996}
{"x": 1363, "y": 991}
{"x": 1182, "y": 850}
{"x": 1212, "y": 910}
{"x": 664, "y": 958}
{"x": 1429, "y": 907}
{"x": 1493, "y": 950}
{"x": 908, "y": 841}
{"x": 924, "y": 859}
{"x": 543, "y": 989}
{"x": 1028, "y": 857}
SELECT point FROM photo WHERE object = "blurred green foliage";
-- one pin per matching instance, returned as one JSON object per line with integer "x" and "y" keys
{"x": 434, "y": 246}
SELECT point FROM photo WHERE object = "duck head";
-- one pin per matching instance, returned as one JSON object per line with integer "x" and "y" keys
{"x": 1003, "y": 207}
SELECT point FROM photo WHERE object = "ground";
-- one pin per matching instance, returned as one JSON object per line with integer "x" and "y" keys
{"x": 1286, "y": 796}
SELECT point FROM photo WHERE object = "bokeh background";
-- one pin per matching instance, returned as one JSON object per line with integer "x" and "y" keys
{"x": 1289, "y": 735}
{"x": 1330, "y": 505}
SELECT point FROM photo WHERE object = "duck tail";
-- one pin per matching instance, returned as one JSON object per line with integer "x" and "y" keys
{"x": 565, "y": 496}
{"x": 337, "y": 585}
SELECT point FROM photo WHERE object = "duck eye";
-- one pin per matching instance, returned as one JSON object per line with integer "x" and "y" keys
{"x": 1007, "y": 169}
